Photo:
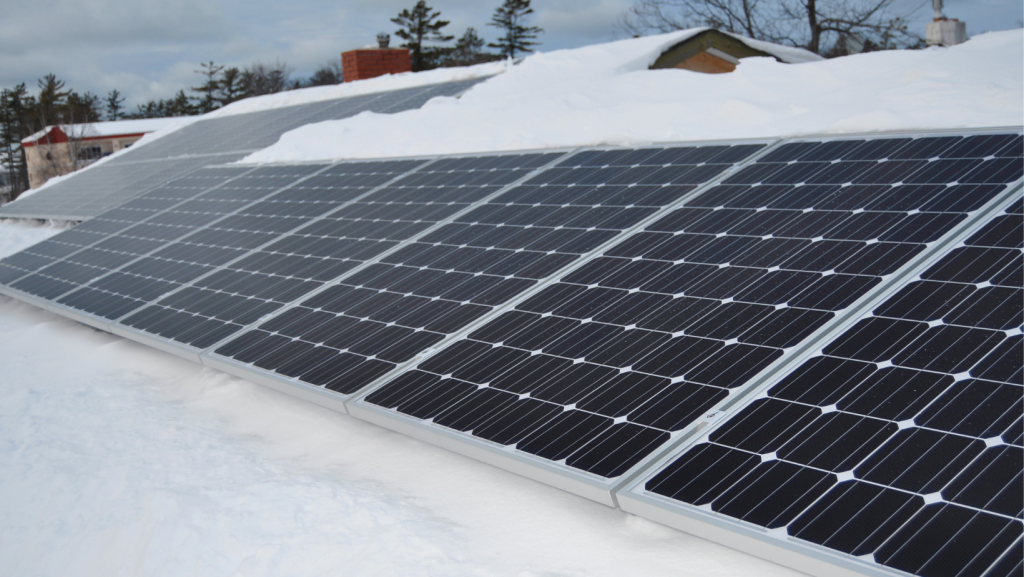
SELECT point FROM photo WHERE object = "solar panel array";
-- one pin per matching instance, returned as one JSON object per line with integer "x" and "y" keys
{"x": 408, "y": 300}
{"x": 578, "y": 312}
{"x": 206, "y": 142}
{"x": 600, "y": 369}
{"x": 37, "y": 262}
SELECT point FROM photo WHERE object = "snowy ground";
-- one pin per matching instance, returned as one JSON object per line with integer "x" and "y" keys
{"x": 116, "y": 459}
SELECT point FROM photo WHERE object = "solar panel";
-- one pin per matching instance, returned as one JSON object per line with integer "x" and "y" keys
{"x": 899, "y": 445}
{"x": 592, "y": 374}
{"x": 208, "y": 141}
{"x": 36, "y": 261}
{"x": 106, "y": 186}
{"x": 256, "y": 130}
{"x": 196, "y": 240}
{"x": 311, "y": 248}
{"x": 408, "y": 299}
{"x": 393, "y": 311}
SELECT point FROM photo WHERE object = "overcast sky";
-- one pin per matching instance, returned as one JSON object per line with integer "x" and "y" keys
{"x": 149, "y": 49}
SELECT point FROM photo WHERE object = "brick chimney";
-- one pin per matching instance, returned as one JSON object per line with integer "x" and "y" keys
{"x": 371, "y": 62}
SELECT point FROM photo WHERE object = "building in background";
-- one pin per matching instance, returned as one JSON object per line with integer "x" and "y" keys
{"x": 716, "y": 52}
{"x": 60, "y": 150}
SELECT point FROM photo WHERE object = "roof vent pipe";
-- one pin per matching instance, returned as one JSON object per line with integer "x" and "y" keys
{"x": 383, "y": 39}
{"x": 944, "y": 31}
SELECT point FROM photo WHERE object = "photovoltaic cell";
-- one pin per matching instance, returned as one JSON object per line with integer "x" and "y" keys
{"x": 386, "y": 313}
{"x": 209, "y": 141}
{"x": 315, "y": 243}
{"x": 598, "y": 370}
{"x": 186, "y": 276}
{"x": 70, "y": 244}
{"x": 92, "y": 191}
{"x": 143, "y": 247}
{"x": 902, "y": 442}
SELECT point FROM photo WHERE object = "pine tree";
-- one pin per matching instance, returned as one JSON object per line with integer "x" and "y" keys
{"x": 81, "y": 108}
{"x": 510, "y": 18}
{"x": 14, "y": 125}
{"x": 115, "y": 104}
{"x": 418, "y": 26}
{"x": 51, "y": 100}
{"x": 469, "y": 50}
{"x": 209, "y": 88}
{"x": 328, "y": 74}
{"x": 181, "y": 105}
{"x": 231, "y": 87}
{"x": 259, "y": 78}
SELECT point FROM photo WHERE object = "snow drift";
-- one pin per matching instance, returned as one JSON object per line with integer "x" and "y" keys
{"x": 605, "y": 94}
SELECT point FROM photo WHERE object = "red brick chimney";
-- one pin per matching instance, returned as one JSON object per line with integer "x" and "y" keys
{"x": 371, "y": 62}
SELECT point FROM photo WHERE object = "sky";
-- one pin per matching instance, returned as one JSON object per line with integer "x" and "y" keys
{"x": 149, "y": 49}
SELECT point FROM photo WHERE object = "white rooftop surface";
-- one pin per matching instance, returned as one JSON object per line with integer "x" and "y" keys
{"x": 117, "y": 459}
{"x": 605, "y": 95}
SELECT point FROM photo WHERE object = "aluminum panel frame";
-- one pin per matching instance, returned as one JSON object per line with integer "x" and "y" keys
{"x": 293, "y": 387}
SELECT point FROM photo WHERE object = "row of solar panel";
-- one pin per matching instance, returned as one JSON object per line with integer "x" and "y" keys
{"x": 568, "y": 316}
{"x": 210, "y": 141}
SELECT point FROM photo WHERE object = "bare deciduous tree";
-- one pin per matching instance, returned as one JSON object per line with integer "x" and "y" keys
{"x": 327, "y": 74}
{"x": 817, "y": 25}
{"x": 258, "y": 79}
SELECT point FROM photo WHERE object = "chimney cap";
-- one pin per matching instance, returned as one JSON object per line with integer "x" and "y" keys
{"x": 383, "y": 39}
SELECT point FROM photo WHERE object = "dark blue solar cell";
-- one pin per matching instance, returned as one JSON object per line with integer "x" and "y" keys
{"x": 915, "y": 409}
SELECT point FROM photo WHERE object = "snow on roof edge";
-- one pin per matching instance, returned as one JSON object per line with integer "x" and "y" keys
{"x": 380, "y": 84}
{"x": 787, "y": 54}
{"x": 108, "y": 128}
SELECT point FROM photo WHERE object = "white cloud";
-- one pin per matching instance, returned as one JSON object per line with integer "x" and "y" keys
{"x": 35, "y": 26}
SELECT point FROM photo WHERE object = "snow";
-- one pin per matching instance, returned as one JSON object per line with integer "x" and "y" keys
{"x": 117, "y": 459}
{"x": 605, "y": 95}
{"x": 17, "y": 235}
{"x": 788, "y": 54}
{"x": 109, "y": 128}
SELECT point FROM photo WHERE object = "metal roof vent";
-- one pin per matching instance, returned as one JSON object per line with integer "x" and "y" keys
{"x": 383, "y": 39}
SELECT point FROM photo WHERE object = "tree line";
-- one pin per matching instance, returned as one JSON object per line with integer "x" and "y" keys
{"x": 422, "y": 29}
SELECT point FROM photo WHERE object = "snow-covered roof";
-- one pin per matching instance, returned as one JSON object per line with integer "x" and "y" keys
{"x": 107, "y": 129}
{"x": 787, "y": 54}
{"x": 605, "y": 94}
